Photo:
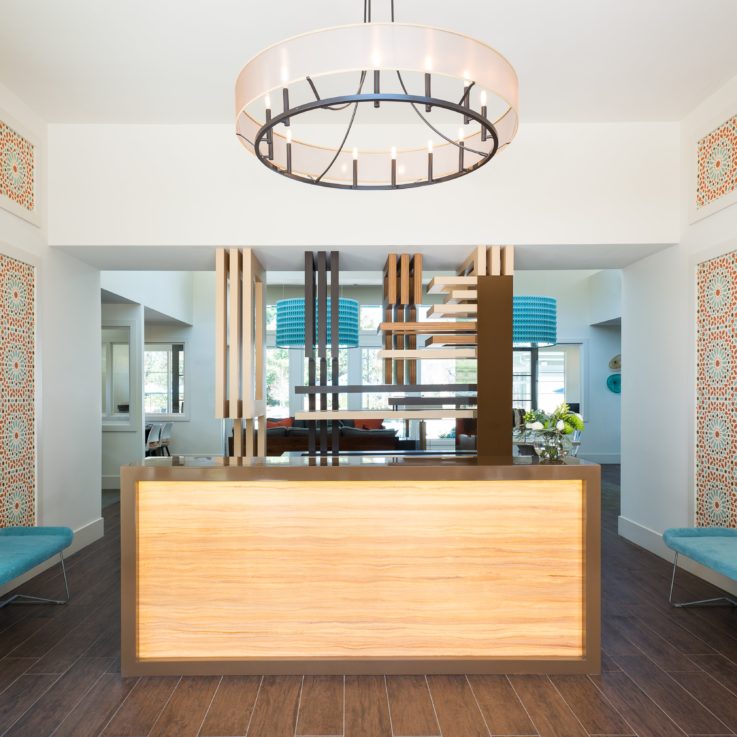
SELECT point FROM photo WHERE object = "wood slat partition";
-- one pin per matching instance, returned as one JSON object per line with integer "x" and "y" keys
{"x": 240, "y": 353}
{"x": 402, "y": 295}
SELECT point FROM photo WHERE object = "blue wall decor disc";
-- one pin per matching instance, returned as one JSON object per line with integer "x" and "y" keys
{"x": 614, "y": 383}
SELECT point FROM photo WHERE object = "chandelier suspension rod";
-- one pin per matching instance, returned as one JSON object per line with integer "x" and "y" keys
{"x": 433, "y": 128}
{"x": 347, "y": 132}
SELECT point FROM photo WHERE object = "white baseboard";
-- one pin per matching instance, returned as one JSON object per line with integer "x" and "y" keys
{"x": 83, "y": 536}
{"x": 653, "y": 541}
{"x": 604, "y": 458}
{"x": 111, "y": 482}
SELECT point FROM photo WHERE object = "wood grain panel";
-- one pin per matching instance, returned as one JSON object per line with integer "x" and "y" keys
{"x": 454, "y": 296}
{"x": 547, "y": 709}
{"x": 430, "y": 327}
{"x": 477, "y": 569}
{"x": 276, "y": 709}
{"x": 231, "y": 708}
{"x": 456, "y": 708}
{"x": 440, "y": 340}
{"x": 386, "y": 414}
{"x": 430, "y": 353}
{"x": 411, "y": 708}
{"x": 594, "y": 712}
{"x": 186, "y": 710}
{"x": 139, "y": 711}
{"x": 366, "y": 707}
{"x": 502, "y": 710}
{"x": 321, "y": 707}
{"x": 452, "y": 310}
{"x": 443, "y": 284}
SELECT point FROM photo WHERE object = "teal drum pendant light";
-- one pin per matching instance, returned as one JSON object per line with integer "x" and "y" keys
{"x": 290, "y": 322}
{"x": 535, "y": 321}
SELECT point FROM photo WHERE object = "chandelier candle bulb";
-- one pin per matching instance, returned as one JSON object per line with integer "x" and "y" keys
{"x": 285, "y": 99}
{"x": 482, "y": 96}
{"x": 269, "y": 133}
{"x": 428, "y": 90}
{"x": 466, "y": 100}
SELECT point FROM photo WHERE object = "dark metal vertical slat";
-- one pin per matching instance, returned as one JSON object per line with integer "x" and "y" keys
{"x": 335, "y": 340}
{"x": 310, "y": 343}
{"x": 322, "y": 340}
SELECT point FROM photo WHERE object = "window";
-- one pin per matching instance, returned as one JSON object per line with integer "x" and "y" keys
{"x": 545, "y": 377}
{"x": 163, "y": 379}
{"x": 277, "y": 382}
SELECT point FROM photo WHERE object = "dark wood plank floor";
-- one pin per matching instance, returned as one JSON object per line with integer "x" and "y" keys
{"x": 666, "y": 672}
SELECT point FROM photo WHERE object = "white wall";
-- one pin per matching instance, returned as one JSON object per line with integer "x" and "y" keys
{"x": 167, "y": 292}
{"x": 122, "y": 443}
{"x": 195, "y": 185}
{"x": 576, "y": 301}
{"x": 201, "y": 432}
{"x": 658, "y": 339}
{"x": 68, "y": 318}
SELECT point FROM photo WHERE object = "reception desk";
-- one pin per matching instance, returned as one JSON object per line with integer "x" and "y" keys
{"x": 360, "y": 565}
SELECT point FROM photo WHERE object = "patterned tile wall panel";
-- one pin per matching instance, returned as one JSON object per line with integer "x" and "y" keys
{"x": 16, "y": 168}
{"x": 17, "y": 393}
{"x": 717, "y": 163}
{"x": 716, "y": 392}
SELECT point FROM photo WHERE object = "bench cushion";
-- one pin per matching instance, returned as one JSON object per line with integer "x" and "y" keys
{"x": 714, "y": 547}
{"x": 22, "y": 548}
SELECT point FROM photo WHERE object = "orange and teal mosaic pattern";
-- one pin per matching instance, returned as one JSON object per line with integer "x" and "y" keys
{"x": 17, "y": 393}
{"x": 716, "y": 393}
{"x": 717, "y": 163}
{"x": 16, "y": 168}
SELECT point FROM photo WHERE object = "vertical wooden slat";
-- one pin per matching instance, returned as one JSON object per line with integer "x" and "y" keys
{"x": 234, "y": 374}
{"x": 238, "y": 438}
{"x": 494, "y": 355}
{"x": 221, "y": 335}
{"x": 508, "y": 261}
{"x": 390, "y": 300}
{"x": 495, "y": 261}
{"x": 250, "y": 444}
{"x": 261, "y": 436}
{"x": 417, "y": 279}
{"x": 411, "y": 311}
{"x": 404, "y": 280}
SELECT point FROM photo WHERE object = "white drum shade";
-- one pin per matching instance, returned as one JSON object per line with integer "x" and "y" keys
{"x": 388, "y": 47}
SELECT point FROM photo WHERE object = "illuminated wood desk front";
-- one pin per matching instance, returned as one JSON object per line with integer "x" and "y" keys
{"x": 375, "y": 565}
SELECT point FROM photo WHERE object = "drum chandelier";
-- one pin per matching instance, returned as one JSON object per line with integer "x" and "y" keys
{"x": 301, "y": 104}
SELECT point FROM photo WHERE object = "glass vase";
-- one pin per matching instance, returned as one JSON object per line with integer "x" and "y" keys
{"x": 552, "y": 446}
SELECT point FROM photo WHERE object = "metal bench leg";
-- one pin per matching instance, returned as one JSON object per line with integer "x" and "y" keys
{"x": 699, "y": 602}
{"x": 27, "y": 599}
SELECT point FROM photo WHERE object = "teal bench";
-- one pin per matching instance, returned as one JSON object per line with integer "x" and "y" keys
{"x": 23, "y": 548}
{"x": 713, "y": 547}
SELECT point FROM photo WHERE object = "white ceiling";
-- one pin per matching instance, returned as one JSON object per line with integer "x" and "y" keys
{"x": 159, "y": 61}
{"x": 358, "y": 258}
